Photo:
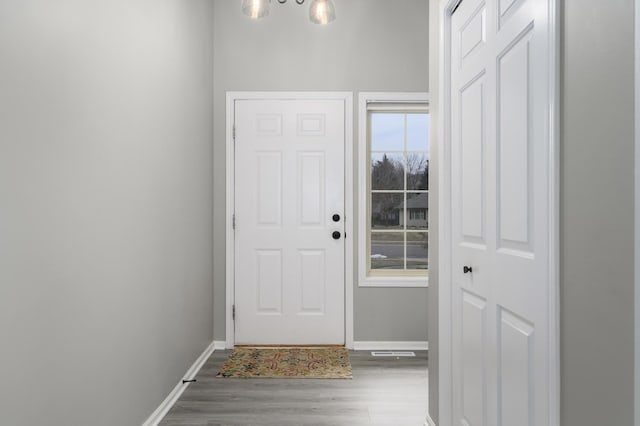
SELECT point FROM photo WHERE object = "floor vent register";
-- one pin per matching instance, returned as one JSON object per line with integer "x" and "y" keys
{"x": 393, "y": 353}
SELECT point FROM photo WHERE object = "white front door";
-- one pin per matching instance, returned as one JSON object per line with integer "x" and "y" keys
{"x": 500, "y": 177}
{"x": 289, "y": 212}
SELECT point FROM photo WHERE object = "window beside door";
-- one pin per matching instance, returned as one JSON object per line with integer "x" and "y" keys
{"x": 394, "y": 202}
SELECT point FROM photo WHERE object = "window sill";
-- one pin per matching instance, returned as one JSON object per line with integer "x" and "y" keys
{"x": 399, "y": 282}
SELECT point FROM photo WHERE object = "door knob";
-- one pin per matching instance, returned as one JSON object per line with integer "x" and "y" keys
{"x": 336, "y": 235}
{"x": 336, "y": 218}
{"x": 467, "y": 269}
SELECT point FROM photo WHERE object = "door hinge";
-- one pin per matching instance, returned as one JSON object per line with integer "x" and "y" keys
{"x": 233, "y": 312}
{"x": 234, "y": 221}
{"x": 234, "y": 132}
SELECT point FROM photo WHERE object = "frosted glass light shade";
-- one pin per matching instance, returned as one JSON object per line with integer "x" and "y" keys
{"x": 322, "y": 12}
{"x": 256, "y": 8}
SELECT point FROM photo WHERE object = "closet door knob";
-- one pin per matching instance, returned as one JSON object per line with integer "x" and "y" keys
{"x": 467, "y": 269}
{"x": 336, "y": 235}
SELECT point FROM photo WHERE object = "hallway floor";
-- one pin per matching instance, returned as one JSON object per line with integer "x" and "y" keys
{"x": 383, "y": 392}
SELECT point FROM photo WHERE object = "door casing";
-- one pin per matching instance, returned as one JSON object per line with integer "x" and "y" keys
{"x": 445, "y": 296}
{"x": 347, "y": 98}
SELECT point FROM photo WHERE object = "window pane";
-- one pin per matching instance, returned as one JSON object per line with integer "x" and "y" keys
{"x": 387, "y": 250}
{"x": 417, "y": 245}
{"x": 387, "y": 171}
{"x": 417, "y": 210}
{"x": 398, "y": 157}
{"x": 387, "y": 132}
{"x": 417, "y": 132}
{"x": 387, "y": 211}
{"x": 417, "y": 171}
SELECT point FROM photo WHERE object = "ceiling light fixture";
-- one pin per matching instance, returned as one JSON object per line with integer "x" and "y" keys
{"x": 320, "y": 12}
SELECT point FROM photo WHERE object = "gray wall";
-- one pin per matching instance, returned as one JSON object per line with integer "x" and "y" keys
{"x": 374, "y": 45}
{"x": 596, "y": 214}
{"x": 105, "y": 206}
{"x": 637, "y": 214}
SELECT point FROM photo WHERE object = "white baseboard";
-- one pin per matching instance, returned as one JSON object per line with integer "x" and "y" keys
{"x": 162, "y": 410}
{"x": 220, "y": 345}
{"x": 391, "y": 346}
{"x": 429, "y": 421}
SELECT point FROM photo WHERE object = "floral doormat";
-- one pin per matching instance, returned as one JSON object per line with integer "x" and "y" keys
{"x": 288, "y": 363}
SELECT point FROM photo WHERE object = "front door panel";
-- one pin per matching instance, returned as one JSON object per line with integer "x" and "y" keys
{"x": 289, "y": 271}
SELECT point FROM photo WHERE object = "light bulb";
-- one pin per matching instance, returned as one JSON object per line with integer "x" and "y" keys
{"x": 255, "y": 8}
{"x": 322, "y": 12}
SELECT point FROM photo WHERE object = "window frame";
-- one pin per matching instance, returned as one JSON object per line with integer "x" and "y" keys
{"x": 386, "y": 279}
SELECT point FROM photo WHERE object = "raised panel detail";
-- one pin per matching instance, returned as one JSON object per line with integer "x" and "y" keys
{"x": 311, "y": 125}
{"x": 472, "y": 160}
{"x": 311, "y": 182}
{"x": 473, "y": 33}
{"x": 269, "y": 125}
{"x": 269, "y": 196}
{"x": 472, "y": 356}
{"x": 269, "y": 282}
{"x": 515, "y": 341}
{"x": 505, "y": 5}
{"x": 507, "y": 9}
{"x": 313, "y": 282}
{"x": 515, "y": 198}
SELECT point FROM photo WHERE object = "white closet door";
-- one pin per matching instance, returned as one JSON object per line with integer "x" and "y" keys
{"x": 500, "y": 192}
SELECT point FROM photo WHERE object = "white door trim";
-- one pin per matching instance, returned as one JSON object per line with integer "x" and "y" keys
{"x": 445, "y": 397}
{"x": 347, "y": 97}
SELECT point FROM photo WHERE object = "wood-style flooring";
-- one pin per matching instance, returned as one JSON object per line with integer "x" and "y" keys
{"x": 383, "y": 392}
